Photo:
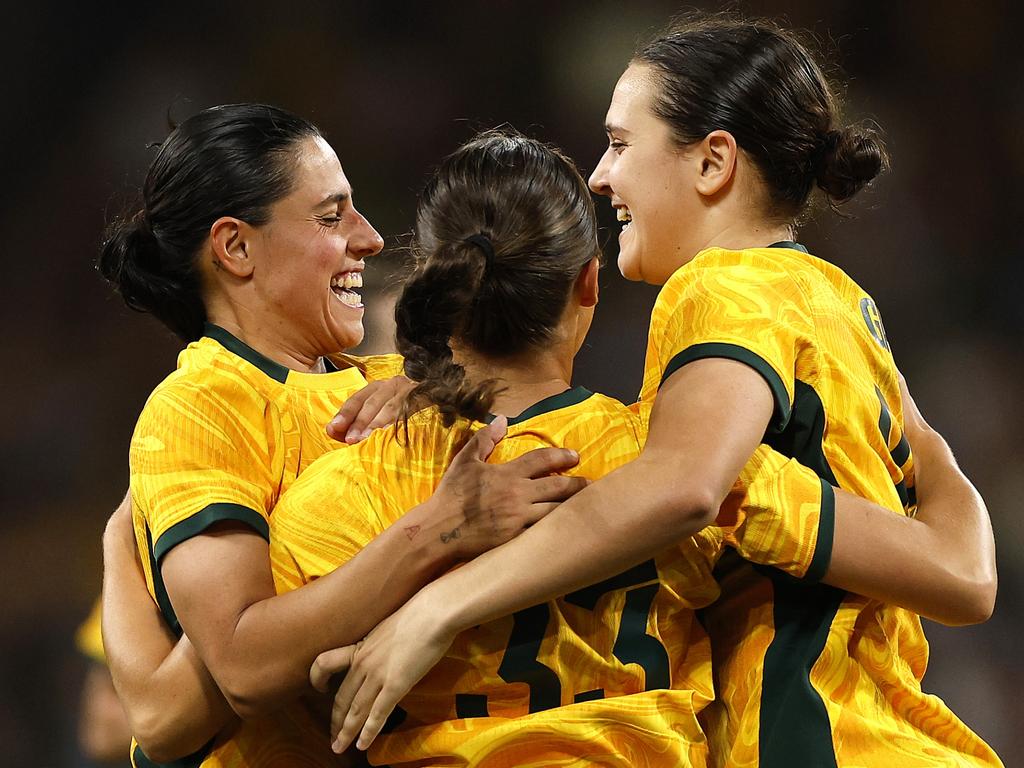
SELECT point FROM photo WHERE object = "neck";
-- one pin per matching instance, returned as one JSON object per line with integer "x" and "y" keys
{"x": 527, "y": 379}
{"x": 270, "y": 338}
{"x": 737, "y": 236}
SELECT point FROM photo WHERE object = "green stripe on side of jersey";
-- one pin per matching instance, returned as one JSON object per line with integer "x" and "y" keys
{"x": 139, "y": 759}
{"x": 781, "y": 415}
{"x": 794, "y": 724}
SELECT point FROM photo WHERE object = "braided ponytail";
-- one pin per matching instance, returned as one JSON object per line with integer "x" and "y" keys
{"x": 504, "y": 228}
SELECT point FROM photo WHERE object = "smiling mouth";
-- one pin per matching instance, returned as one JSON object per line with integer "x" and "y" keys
{"x": 342, "y": 285}
{"x": 623, "y": 215}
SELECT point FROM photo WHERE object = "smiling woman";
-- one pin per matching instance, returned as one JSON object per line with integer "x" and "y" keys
{"x": 249, "y": 247}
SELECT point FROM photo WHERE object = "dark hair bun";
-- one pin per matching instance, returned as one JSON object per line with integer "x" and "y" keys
{"x": 130, "y": 260}
{"x": 851, "y": 157}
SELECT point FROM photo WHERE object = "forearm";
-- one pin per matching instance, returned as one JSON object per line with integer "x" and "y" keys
{"x": 172, "y": 704}
{"x": 629, "y": 516}
{"x": 264, "y": 659}
{"x": 940, "y": 564}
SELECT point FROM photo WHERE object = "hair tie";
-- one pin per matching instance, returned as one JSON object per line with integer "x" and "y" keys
{"x": 483, "y": 242}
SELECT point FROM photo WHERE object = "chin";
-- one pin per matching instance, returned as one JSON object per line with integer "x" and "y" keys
{"x": 629, "y": 267}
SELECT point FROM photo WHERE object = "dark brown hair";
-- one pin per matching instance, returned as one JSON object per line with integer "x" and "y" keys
{"x": 235, "y": 160}
{"x": 503, "y": 229}
{"x": 759, "y": 82}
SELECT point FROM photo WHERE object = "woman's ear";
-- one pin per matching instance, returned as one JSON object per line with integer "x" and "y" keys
{"x": 587, "y": 287}
{"x": 229, "y": 242}
{"x": 717, "y": 154}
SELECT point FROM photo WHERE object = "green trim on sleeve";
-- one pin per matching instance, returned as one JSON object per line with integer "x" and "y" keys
{"x": 209, "y": 515}
{"x": 139, "y": 759}
{"x": 826, "y": 535}
{"x": 780, "y": 394}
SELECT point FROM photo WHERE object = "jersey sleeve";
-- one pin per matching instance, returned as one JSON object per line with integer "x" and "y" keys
{"x": 200, "y": 456}
{"x": 745, "y": 311}
{"x": 780, "y": 514}
{"x": 327, "y": 516}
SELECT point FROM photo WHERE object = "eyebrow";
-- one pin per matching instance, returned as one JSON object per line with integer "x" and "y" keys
{"x": 337, "y": 197}
{"x": 613, "y": 128}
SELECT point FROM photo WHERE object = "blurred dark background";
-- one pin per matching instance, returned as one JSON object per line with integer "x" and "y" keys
{"x": 394, "y": 86}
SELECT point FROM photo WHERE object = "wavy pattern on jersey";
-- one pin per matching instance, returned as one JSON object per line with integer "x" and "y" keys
{"x": 647, "y": 730}
{"x": 348, "y": 497}
{"x": 220, "y": 430}
{"x": 805, "y": 319}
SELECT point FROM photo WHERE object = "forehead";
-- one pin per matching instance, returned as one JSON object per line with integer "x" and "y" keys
{"x": 318, "y": 172}
{"x": 631, "y": 98}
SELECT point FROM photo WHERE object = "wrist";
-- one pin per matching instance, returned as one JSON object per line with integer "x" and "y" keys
{"x": 435, "y": 538}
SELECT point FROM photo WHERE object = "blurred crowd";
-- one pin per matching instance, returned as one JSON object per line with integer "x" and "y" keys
{"x": 394, "y": 86}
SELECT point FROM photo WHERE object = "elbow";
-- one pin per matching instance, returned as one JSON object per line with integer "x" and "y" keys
{"x": 247, "y": 696}
{"x": 160, "y": 740}
{"x": 980, "y": 602}
{"x": 972, "y": 603}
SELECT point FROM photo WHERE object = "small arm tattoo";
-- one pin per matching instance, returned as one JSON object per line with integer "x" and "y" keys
{"x": 454, "y": 533}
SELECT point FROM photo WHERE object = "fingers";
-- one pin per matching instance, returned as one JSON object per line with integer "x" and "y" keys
{"x": 543, "y": 461}
{"x": 328, "y": 664}
{"x": 555, "y": 488}
{"x": 355, "y": 714}
{"x": 480, "y": 445}
{"x": 362, "y": 423}
{"x": 375, "y": 405}
{"x": 341, "y": 423}
{"x": 343, "y": 703}
{"x": 378, "y": 717}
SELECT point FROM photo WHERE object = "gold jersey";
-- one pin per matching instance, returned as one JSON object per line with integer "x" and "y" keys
{"x": 614, "y": 674}
{"x": 220, "y": 439}
{"x": 807, "y": 674}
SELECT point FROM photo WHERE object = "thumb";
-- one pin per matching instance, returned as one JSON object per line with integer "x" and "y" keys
{"x": 328, "y": 664}
{"x": 490, "y": 436}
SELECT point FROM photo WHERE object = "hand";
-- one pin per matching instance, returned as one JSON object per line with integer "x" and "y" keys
{"x": 375, "y": 405}
{"x": 119, "y": 535}
{"x": 383, "y": 668}
{"x": 484, "y": 505}
{"x": 914, "y": 424}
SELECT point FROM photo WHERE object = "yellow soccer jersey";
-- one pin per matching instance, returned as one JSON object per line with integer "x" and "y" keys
{"x": 221, "y": 439}
{"x": 807, "y": 674}
{"x": 89, "y": 638}
{"x": 624, "y": 661}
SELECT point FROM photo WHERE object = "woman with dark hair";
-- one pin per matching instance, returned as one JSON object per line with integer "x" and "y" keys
{"x": 616, "y": 673}
{"x": 718, "y": 130}
{"x": 249, "y": 247}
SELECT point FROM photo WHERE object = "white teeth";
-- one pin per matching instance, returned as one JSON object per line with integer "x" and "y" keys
{"x": 350, "y": 299}
{"x": 622, "y": 214}
{"x": 347, "y": 280}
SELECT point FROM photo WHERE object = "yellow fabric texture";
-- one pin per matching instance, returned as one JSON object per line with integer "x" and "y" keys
{"x": 490, "y": 701}
{"x": 842, "y": 684}
{"x": 219, "y": 439}
{"x": 88, "y": 637}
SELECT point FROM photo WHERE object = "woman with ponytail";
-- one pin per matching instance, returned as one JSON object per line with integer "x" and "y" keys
{"x": 718, "y": 131}
{"x": 248, "y": 246}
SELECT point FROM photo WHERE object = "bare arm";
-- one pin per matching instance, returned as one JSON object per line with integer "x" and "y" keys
{"x": 671, "y": 491}
{"x": 940, "y": 563}
{"x": 103, "y": 733}
{"x": 259, "y": 646}
{"x": 172, "y": 704}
